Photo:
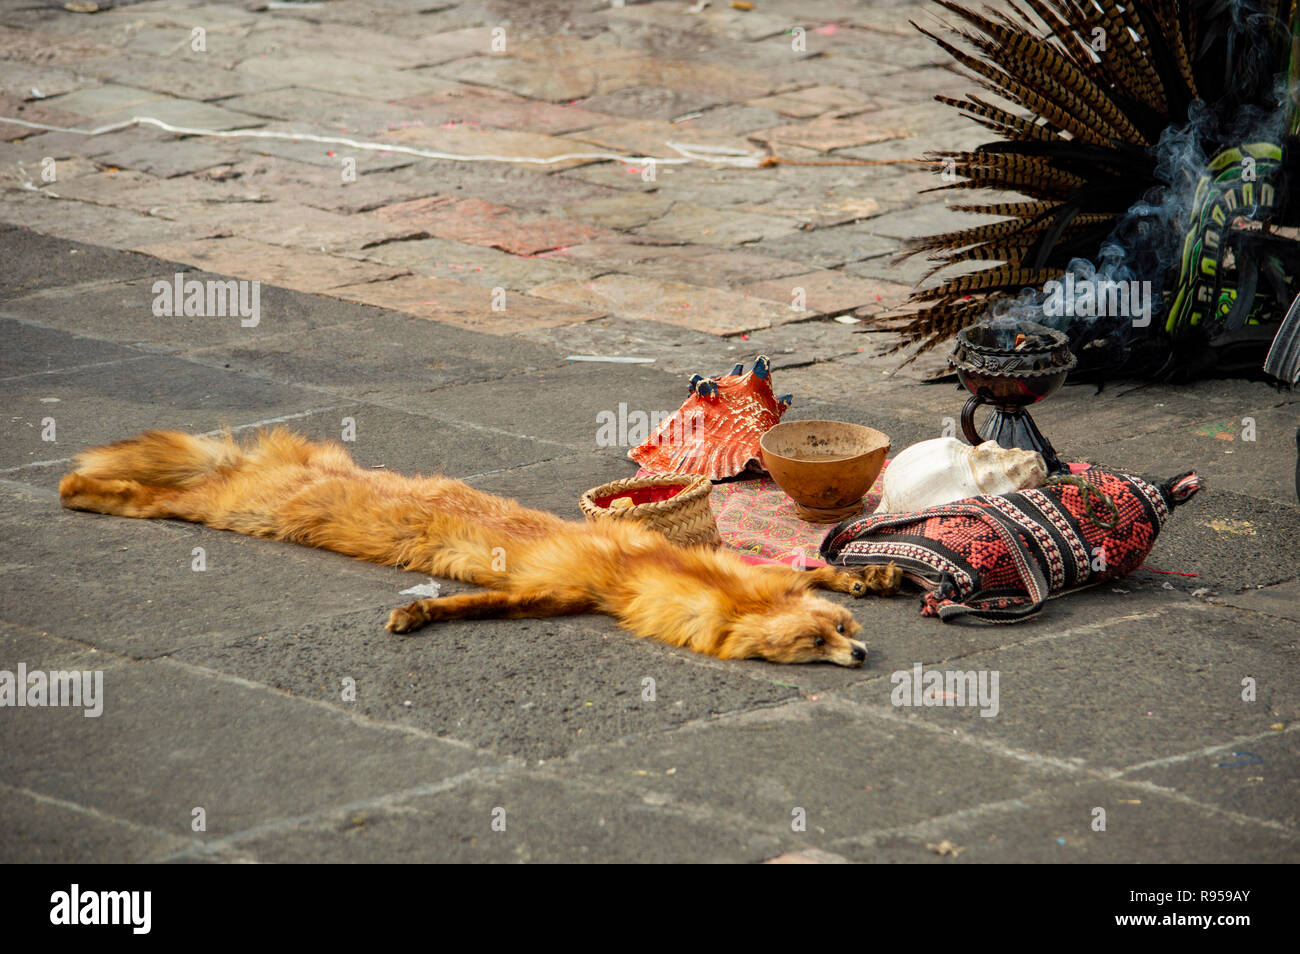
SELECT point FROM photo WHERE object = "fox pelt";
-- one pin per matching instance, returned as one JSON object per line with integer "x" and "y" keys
{"x": 534, "y": 564}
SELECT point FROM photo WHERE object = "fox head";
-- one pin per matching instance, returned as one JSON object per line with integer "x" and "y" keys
{"x": 801, "y": 629}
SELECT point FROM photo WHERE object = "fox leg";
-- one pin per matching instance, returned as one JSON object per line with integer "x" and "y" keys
{"x": 858, "y": 581}
{"x": 492, "y": 604}
{"x": 122, "y": 498}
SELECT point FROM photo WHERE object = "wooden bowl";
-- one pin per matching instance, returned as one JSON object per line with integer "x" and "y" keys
{"x": 825, "y": 467}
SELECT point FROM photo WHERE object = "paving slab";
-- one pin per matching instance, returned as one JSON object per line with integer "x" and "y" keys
{"x": 556, "y": 484}
{"x": 291, "y": 143}
{"x": 530, "y": 688}
{"x": 290, "y": 224}
{"x": 829, "y": 247}
{"x": 474, "y": 264}
{"x": 334, "y": 75}
{"x": 215, "y": 754}
{"x": 1257, "y": 777}
{"x": 733, "y": 119}
{"x": 649, "y": 102}
{"x": 18, "y": 79}
{"x": 1282, "y": 600}
{"x": 829, "y": 292}
{"x": 825, "y": 134}
{"x": 814, "y": 101}
{"x": 18, "y": 107}
{"x": 146, "y": 150}
{"x": 113, "y": 228}
{"x": 559, "y": 405}
{"x": 184, "y": 114}
{"x": 350, "y": 114}
{"x": 705, "y": 265}
{"x": 475, "y": 222}
{"x": 42, "y": 830}
{"x": 716, "y": 311}
{"x": 375, "y": 352}
{"x": 490, "y": 107}
{"x": 561, "y": 85}
{"x": 83, "y": 406}
{"x": 131, "y": 587}
{"x": 472, "y": 307}
{"x": 273, "y": 264}
{"x": 102, "y": 100}
{"x": 124, "y": 311}
{"x": 701, "y": 225}
{"x": 1055, "y": 827}
{"x": 626, "y": 211}
{"x": 848, "y": 776}
{"x": 1158, "y": 685}
{"x": 545, "y": 821}
{"x": 197, "y": 81}
{"x": 464, "y": 140}
{"x": 50, "y": 49}
{"x": 650, "y": 137}
{"x": 30, "y": 350}
{"x": 327, "y": 183}
{"x": 48, "y": 262}
{"x": 522, "y": 187}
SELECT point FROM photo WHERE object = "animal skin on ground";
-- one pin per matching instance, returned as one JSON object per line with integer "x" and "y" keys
{"x": 534, "y": 564}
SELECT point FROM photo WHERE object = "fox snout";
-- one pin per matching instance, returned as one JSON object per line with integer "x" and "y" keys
{"x": 853, "y": 656}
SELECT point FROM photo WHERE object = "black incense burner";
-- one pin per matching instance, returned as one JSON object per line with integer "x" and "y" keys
{"x": 1009, "y": 365}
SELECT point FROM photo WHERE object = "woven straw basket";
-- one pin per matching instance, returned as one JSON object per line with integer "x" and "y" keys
{"x": 685, "y": 518}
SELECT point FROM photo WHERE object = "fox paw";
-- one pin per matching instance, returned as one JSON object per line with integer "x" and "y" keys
{"x": 881, "y": 580}
{"x": 884, "y": 580}
{"x": 406, "y": 619}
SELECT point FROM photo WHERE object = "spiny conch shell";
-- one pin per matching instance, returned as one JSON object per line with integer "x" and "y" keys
{"x": 945, "y": 469}
{"x": 716, "y": 432}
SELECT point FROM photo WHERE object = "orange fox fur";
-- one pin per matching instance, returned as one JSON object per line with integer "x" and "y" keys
{"x": 534, "y": 564}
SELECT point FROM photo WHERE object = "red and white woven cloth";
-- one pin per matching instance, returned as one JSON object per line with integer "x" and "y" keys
{"x": 999, "y": 558}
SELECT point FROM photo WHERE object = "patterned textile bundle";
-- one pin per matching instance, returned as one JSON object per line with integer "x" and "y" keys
{"x": 998, "y": 558}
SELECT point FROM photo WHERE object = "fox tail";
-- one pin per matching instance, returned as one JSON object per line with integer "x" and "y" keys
{"x": 161, "y": 458}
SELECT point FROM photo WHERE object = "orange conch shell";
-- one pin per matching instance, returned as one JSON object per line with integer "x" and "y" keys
{"x": 716, "y": 432}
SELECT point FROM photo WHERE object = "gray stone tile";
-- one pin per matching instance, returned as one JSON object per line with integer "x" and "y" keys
{"x": 546, "y": 821}
{"x": 532, "y": 688}
{"x": 830, "y": 247}
{"x": 1158, "y": 684}
{"x": 1056, "y": 828}
{"x": 43, "y": 831}
{"x": 377, "y": 352}
{"x": 122, "y": 311}
{"x": 215, "y": 753}
{"x": 35, "y": 262}
{"x": 93, "y": 405}
{"x": 130, "y": 586}
{"x": 559, "y": 405}
{"x": 33, "y": 350}
{"x": 1258, "y": 778}
{"x": 849, "y": 775}
{"x": 556, "y": 485}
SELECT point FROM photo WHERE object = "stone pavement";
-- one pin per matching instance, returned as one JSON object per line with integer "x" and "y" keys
{"x": 433, "y": 304}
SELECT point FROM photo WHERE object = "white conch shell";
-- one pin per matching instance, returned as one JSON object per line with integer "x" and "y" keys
{"x": 945, "y": 469}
